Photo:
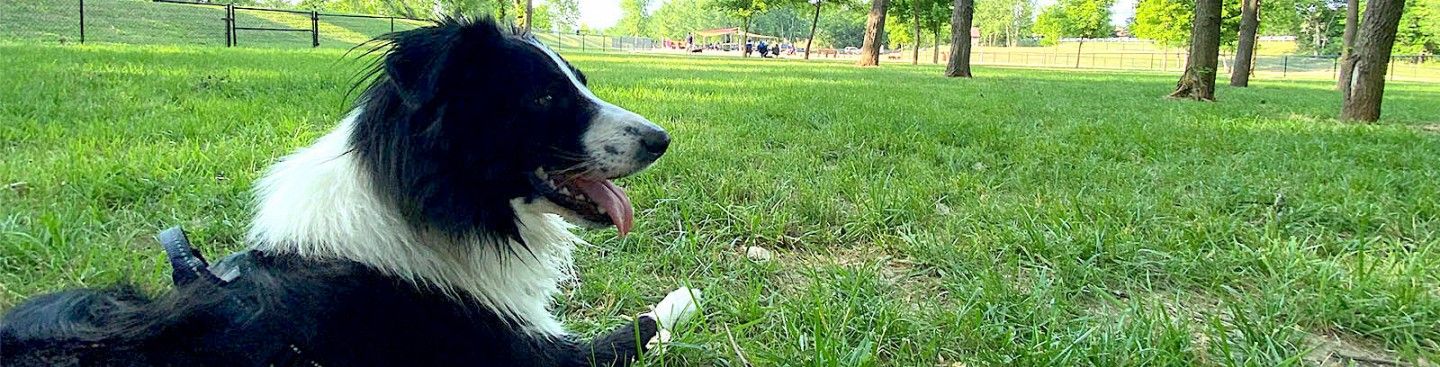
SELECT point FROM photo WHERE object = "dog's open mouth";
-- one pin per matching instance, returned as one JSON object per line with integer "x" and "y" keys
{"x": 594, "y": 199}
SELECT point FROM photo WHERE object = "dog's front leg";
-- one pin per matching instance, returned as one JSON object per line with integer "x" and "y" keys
{"x": 624, "y": 345}
{"x": 620, "y": 347}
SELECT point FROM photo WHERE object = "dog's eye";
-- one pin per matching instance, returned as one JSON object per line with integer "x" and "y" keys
{"x": 544, "y": 101}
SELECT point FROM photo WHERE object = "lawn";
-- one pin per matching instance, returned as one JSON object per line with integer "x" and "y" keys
{"x": 1027, "y": 218}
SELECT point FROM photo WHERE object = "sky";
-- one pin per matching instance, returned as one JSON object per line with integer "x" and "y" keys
{"x": 601, "y": 14}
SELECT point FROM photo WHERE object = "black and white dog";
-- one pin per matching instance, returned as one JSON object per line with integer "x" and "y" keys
{"x": 429, "y": 228}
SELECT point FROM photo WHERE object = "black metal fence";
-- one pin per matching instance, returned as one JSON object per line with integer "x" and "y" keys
{"x": 232, "y": 28}
{"x": 214, "y": 23}
{"x": 188, "y": 22}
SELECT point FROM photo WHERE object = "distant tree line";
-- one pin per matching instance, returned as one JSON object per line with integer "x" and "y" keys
{"x": 1316, "y": 24}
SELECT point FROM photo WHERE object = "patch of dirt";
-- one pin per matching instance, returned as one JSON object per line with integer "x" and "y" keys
{"x": 1336, "y": 350}
{"x": 1431, "y": 128}
{"x": 1326, "y": 348}
{"x": 916, "y": 283}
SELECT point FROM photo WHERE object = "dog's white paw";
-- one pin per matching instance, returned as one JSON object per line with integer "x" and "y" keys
{"x": 677, "y": 308}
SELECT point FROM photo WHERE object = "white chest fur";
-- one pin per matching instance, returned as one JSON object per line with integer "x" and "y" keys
{"x": 317, "y": 202}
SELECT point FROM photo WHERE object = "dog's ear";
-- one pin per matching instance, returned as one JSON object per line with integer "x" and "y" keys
{"x": 420, "y": 59}
{"x": 414, "y": 65}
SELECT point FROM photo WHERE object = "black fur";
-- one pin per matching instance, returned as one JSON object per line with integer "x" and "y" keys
{"x": 336, "y": 313}
{"x": 457, "y": 116}
{"x": 437, "y": 125}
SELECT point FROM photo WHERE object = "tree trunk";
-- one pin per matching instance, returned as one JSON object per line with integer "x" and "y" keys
{"x": 874, "y": 29}
{"x": 1198, "y": 82}
{"x": 1369, "y": 60}
{"x": 1245, "y": 50}
{"x": 813, "y": 23}
{"x": 524, "y": 18}
{"x": 935, "y": 57}
{"x": 960, "y": 20}
{"x": 1347, "y": 42}
{"x": 915, "y": 54}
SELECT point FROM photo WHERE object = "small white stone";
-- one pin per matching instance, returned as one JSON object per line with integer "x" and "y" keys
{"x": 758, "y": 254}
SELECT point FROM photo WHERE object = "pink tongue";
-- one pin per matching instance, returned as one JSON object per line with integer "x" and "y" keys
{"x": 613, "y": 199}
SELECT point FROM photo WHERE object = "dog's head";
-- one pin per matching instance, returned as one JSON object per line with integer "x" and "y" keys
{"x": 463, "y": 118}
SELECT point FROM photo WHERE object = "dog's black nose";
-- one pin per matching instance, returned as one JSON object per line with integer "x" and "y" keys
{"x": 653, "y": 143}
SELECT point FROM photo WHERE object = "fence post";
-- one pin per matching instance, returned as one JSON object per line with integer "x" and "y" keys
{"x": 582, "y": 41}
{"x": 314, "y": 29}
{"x": 392, "y": 24}
{"x": 229, "y": 23}
{"x": 234, "y": 35}
{"x": 82, "y": 21}
{"x": 1285, "y": 67}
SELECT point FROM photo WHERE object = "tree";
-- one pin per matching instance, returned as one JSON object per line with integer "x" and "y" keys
{"x": 959, "y": 66}
{"x": 915, "y": 49}
{"x": 1420, "y": 27}
{"x": 1083, "y": 19}
{"x": 874, "y": 30}
{"x": 566, "y": 14}
{"x": 1245, "y": 53}
{"x": 524, "y": 13}
{"x": 1004, "y": 22}
{"x": 842, "y": 24}
{"x": 1198, "y": 81}
{"x": 543, "y": 18}
{"x": 744, "y": 9}
{"x": 1052, "y": 25}
{"x": 813, "y": 23}
{"x": 676, "y": 19}
{"x": 1368, "y": 62}
{"x": 1167, "y": 22}
{"x": 939, "y": 16}
{"x": 782, "y": 21}
{"x": 634, "y": 19}
{"x": 1314, "y": 23}
{"x": 1347, "y": 42}
{"x": 1419, "y": 31}
{"x": 914, "y": 14}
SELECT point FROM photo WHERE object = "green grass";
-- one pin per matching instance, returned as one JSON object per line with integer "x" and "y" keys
{"x": 1029, "y": 218}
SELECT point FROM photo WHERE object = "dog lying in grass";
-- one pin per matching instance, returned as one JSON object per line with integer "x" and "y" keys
{"x": 431, "y": 227}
